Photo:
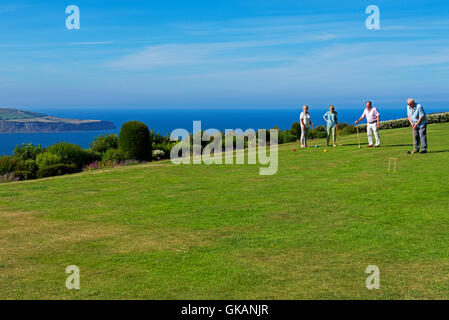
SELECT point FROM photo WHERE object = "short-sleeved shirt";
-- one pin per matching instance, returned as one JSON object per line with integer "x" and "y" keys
{"x": 416, "y": 113}
{"x": 305, "y": 117}
{"x": 371, "y": 116}
{"x": 331, "y": 119}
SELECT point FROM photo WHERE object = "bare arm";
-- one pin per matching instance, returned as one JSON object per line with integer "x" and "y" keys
{"x": 419, "y": 121}
{"x": 361, "y": 118}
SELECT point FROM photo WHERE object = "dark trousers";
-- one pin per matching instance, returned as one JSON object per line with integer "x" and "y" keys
{"x": 421, "y": 138}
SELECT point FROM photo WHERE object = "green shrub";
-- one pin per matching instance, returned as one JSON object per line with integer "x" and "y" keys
{"x": 286, "y": 137}
{"x": 69, "y": 153}
{"x": 135, "y": 141}
{"x": 90, "y": 156}
{"x": 296, "y": 130}
{"x": 24, "y": 175}
{"x": 47, "y": 159}
{"x": 289, "y": 138}
{"x": 56, "y": 170}
{"x": 27, "y": 151}
{"x": 113, "y": 154}
{"x": 318, "y": 132}
{"x": 9, "y": 164}
{"x": 103, "y": 143}
{"x": 157, "y": 138}
{"x": 442, "y": 117}
{"x": 404, "y": 123}
{"x": 29, "y": 165}
{"x": 347, "y": 129}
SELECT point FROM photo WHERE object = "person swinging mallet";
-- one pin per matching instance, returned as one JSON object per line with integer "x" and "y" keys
{"x": 418, "y": 121}
{"x": 413, "y": 134}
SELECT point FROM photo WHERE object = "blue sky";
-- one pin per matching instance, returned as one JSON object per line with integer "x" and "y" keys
{"x": 220, "y": 54}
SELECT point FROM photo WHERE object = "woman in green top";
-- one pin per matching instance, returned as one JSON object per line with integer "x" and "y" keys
{"x": 331, "y": 119}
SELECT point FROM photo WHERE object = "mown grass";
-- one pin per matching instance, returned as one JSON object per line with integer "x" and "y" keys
{"x": 160, "y": 231}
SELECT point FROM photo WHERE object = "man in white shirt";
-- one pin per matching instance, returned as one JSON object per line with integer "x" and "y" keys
{"x": 305, "y": 121}
{"x": 373, "y": 118}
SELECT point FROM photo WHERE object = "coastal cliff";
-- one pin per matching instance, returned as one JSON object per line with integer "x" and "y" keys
{"x": 19, "y": 121}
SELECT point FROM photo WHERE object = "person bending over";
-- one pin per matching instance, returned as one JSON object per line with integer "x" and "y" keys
{"x": 418, "y": 120}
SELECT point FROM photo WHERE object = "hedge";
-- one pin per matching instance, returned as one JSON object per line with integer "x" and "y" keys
{"x": 135, "y": 141}
{"x": 56, "y": 170}
{"x": 404, "y": 123}
{"x": 9, "y": 164}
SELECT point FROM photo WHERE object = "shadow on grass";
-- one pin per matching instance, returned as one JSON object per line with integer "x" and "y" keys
{"x": 398, "y": 145}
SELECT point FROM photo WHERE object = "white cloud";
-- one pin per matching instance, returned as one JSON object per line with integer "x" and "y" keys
{"x": 202, "y": 53}
{"x": 90, "y": 43}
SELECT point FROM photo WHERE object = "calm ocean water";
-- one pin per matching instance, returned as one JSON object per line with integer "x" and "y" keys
{"x": 164, "y": 121}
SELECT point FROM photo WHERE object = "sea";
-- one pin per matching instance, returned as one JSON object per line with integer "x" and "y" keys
{"x": 165, "y": 121}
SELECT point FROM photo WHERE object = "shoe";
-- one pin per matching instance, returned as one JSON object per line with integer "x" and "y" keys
{"x": 424, "y": 151}
{"x": 377, "y": 146}
{"x": 370, "y": 146}
{"x": 335, "y": 145}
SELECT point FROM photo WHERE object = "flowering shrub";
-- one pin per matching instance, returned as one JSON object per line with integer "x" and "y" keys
{"x": 106, "y": 164}
{"x": 158, "y": 154}
{"x": 8, "y": 177}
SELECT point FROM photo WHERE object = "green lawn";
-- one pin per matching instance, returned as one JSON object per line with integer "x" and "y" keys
{"x": 160, "y": 231}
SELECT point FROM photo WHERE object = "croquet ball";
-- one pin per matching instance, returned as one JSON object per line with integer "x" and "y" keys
{"x": 294, "y": 150}
{"x": 316, "y": 146}
{"x": 325, "y": 150}
{"x": 360, "y": 147}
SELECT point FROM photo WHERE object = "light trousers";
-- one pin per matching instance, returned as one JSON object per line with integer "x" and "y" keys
{"x": 421, "y": 138}
{"x": 304, "y": 133}
{"x": 373, "y": 129}
{"x": 331, "y": 131}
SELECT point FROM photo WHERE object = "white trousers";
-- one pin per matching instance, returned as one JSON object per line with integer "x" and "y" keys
{"x": 372, "y": 128}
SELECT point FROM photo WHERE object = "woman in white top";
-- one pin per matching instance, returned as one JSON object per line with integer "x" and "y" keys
{"x": 305, "y": 121}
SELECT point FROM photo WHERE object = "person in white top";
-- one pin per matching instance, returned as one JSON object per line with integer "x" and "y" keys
{"x": 305, "y": 121}
{"x": 373, "y": 118}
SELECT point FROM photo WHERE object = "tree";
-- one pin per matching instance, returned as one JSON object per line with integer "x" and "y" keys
{"x": 135, "y": 141}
